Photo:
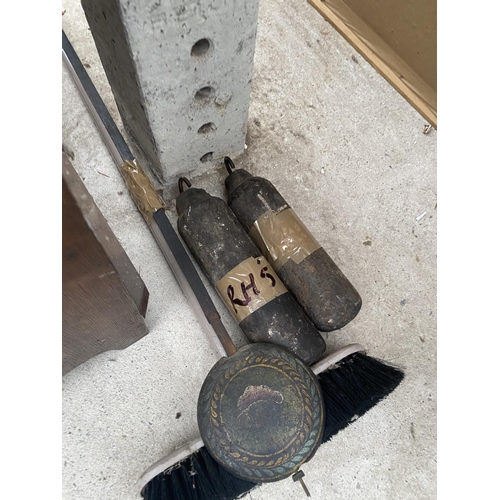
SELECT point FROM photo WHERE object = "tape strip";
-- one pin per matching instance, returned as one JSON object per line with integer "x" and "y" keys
{"x": 141, "y": 189}
{"x": 249, "y": 286}
{"x": 282, "y": 236}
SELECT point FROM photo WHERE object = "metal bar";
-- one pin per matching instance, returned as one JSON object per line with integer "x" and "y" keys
{"x": 163, "y": 232}
{"x": 193, "y": 288}
{"x": 107, "y": 127}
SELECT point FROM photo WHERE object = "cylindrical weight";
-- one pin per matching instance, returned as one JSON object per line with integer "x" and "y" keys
{"x": 305, "y": 268}
{"x": 264, "y": 309}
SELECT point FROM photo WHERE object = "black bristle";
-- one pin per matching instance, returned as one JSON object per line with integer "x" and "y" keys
{"x": 198, "y": 477}
{"x": 350, "y": 390}
{"x": 357, "y": 384}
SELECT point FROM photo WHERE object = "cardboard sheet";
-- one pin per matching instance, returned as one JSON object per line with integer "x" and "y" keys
{"x": 398, "y": 39}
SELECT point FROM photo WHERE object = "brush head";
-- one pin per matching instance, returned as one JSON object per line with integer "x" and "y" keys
{"x": 198, "y": 477}
{"x": 354, "y": 386}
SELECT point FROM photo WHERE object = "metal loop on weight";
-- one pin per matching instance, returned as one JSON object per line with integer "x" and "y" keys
{"x": 184, "y": 180}
{"x": 229, "y": 164}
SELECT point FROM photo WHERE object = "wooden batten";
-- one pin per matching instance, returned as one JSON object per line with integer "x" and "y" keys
{"x": 398, "y": 39}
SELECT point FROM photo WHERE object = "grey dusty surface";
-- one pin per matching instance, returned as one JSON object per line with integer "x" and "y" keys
{"x": 349, "y": 154}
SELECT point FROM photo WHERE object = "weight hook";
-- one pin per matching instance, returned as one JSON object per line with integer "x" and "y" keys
{"x": 185, "y": 181}
{"x": 229, "y": 164}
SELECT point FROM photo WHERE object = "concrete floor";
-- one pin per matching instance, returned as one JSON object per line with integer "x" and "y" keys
{"x": 349, "y": 154}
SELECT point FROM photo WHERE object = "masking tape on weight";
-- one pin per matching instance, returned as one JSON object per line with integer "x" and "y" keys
{"x": 249, "y": 286}
{"x": 282, "y": 236}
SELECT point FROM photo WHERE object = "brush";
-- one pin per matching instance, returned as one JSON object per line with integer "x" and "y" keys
{"x": 351, "y": 381}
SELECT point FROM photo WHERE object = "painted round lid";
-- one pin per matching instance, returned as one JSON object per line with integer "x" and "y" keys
{"x": 261, "y": 413}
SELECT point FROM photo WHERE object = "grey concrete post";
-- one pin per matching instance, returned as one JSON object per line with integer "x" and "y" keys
{"x": 180, "y": 72}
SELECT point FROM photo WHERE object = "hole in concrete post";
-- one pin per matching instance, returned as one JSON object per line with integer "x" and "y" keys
{"x": 206, "y": 128}
{"x": 206, "y": 157}
{"x": 200, "y": 48}
{"x": 204, "y": 93}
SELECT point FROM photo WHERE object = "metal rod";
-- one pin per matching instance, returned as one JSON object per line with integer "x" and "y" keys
{"x": 163, "y": 232}
{"x": 305, "y": 487}
{"x": 188, "y": 291}
{"x": 105, "y": 123}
